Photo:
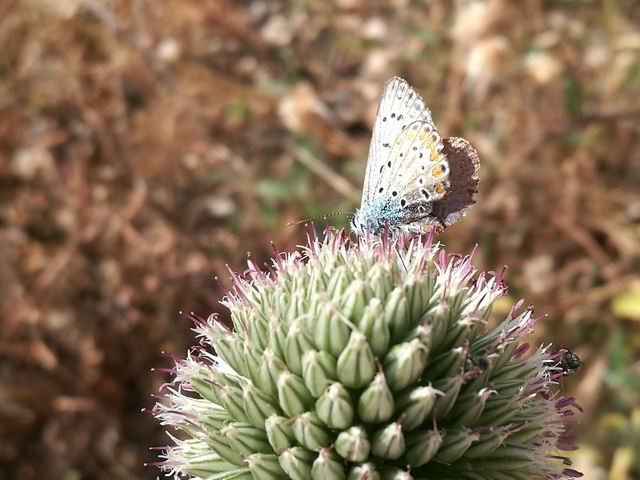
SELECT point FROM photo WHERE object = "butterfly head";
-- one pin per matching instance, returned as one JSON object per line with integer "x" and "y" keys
{"x": 362, "y": 223}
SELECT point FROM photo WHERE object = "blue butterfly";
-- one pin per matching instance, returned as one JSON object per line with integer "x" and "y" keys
{"x": 415, "y": 181}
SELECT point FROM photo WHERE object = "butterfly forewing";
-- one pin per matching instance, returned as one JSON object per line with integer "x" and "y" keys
{"x": 418, "y": 167}
{"x": 399, "y": 106}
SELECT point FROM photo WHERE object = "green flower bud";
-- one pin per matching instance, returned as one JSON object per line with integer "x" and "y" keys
{"x": 232, "y": 401}
{"x": 374, "y": 327}
{"x": 252, "y": 358}
{"x": 419, "y": 290}
{"x": 376, "y": 403}
{"x": 214, "y": 418}
{"x": 339, "y": 282}
{"x": 388, "y": 443}
{"x": 257, "y": 333}
{"x": 277, "y": 336}
{"x": 318, "y": 371}
{"x": 270, "y": 369}
{"x": 396, "y": 314}
{"x": 353, "y": 444}
{"x": 264, "y": 466}
{"x": 297, "y": 307}
{"x": 279, "y": 433}
{"x": 366, "y": 471}
{"x": 422, "y": 333}
{"x": 223, "y": 343}
{"x": 509, "y": 458}
{"x": 379, "y": 282}
{"x": 293, "y": 395}
{"x": 404, "y": 364}
{"x": 296, "y": 462}
{"x": 469, "y": 407}
{"x": 245, "y": 438}
{"x": 447, "y": 364}
{"x": 257, "y": 405}
{"x": 328, "y": 466}
{"x": 356, "y": 365}
{"x": 455, "y": 444}
{"x": 295, "y": 345}
{"x": 415, "y": 406}
{"x": 355, "y": 300}
{"x": 206, "y": 389}
{"x": 422, "y": 445}
{"x": 329, "y": 331}
{"x": 310, "y": 432}
{"x": 487, "y": 443}
{"x": 450, "y": 387}
{"x": 206, "y": 464}
{"x": 334, "y": 407}
{"x": 499, "y": 412}
{"x": 221, "y": 446}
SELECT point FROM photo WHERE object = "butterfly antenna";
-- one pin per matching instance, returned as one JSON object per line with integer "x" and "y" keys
{"x": 322, "y": 217}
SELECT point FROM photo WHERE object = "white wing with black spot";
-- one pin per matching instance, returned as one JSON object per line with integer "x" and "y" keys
{"x": 417, "y": 168}
{"x": 399, "y": 107}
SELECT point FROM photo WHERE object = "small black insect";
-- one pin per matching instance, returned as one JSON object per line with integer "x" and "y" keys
{"x": 570, "y": 363}
{"x": 476, "y": 362}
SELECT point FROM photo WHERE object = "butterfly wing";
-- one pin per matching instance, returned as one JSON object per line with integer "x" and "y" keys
{"x": 464, "y": 164}
{"x": 418, "y": 167}
{"x": 399, "y": 106}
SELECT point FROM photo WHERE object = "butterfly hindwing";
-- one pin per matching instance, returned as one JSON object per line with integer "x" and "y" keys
{"x": 399, "y": 106}
{"x": 464, "y": 164}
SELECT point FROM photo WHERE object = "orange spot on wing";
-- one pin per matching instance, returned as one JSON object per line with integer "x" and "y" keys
{"x": 439, "y": 188}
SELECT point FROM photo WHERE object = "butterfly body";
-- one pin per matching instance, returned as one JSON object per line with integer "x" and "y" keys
{"x": 381, "y": 214}
{"x": 415, "y": 181}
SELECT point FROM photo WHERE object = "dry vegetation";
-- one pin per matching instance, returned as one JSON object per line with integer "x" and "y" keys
{"x": 146, "y": 143}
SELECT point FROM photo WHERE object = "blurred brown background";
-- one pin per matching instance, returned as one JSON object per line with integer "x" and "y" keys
{"x": 146, "y": 143}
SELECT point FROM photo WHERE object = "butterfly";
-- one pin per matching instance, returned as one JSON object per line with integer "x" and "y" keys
{"x": 415, "y": 181}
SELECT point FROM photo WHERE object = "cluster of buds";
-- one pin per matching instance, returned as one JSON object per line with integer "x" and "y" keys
{"x": 366, "y": 360}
